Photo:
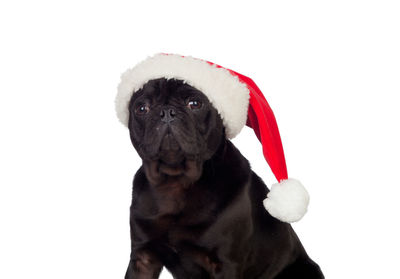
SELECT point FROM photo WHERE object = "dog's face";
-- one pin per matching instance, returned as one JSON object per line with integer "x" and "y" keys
{"x": 174, "y": 129}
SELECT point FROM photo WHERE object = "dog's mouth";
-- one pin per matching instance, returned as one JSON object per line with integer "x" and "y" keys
{"x": 186, "y": 171}
{"x": 172, "y": 161}
{"x": 171, "y": 157}
{"x": 169, "y": 143}
{"x": 175, "y": 169}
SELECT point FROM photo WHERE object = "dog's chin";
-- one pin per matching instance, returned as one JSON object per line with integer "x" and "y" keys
{"x": 172, "y": 162}
{"x": 160, "y": 172}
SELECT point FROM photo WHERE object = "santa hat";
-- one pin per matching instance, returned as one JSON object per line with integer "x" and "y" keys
{"x": 239, "y": 102}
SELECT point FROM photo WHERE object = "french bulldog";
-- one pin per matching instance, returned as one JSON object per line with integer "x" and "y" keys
{"x": 197, "y": 207}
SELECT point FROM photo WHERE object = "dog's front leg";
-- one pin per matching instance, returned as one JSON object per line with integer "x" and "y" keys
{"x": 143, "y": 265}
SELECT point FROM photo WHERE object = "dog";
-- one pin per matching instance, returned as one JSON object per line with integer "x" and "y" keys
{"x": 197, "y": 207}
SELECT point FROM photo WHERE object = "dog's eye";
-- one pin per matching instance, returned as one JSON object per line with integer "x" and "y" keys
{"x": 194, "y": 104}
{"x": 142, "y": 109}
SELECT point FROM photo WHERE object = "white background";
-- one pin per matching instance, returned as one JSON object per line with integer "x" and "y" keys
{"x": 329, "y": 69}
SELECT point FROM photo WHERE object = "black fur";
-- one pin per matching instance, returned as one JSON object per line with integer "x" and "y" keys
{"x": 197, "y": 206}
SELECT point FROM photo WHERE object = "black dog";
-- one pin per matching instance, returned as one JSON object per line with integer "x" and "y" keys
{"x": 197, "y": 207}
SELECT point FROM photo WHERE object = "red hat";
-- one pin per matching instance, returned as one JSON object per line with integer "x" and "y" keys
{"x": 239, "y": 102}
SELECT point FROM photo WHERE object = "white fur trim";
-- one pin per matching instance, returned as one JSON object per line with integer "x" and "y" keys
{"x": 287, "y": 201}
{"x": 224, "y": 90}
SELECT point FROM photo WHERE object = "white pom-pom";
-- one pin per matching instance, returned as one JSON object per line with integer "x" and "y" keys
{"x": 287, "y": 201}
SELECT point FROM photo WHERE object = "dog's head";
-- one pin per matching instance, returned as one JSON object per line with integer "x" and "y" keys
{"x": 174, "y": 129}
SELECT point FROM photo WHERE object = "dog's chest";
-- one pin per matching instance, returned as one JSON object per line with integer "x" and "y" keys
{"x": 178, "y": 213}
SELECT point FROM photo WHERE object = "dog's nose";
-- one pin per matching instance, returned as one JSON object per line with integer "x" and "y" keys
{"x": 167, "y": 114}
